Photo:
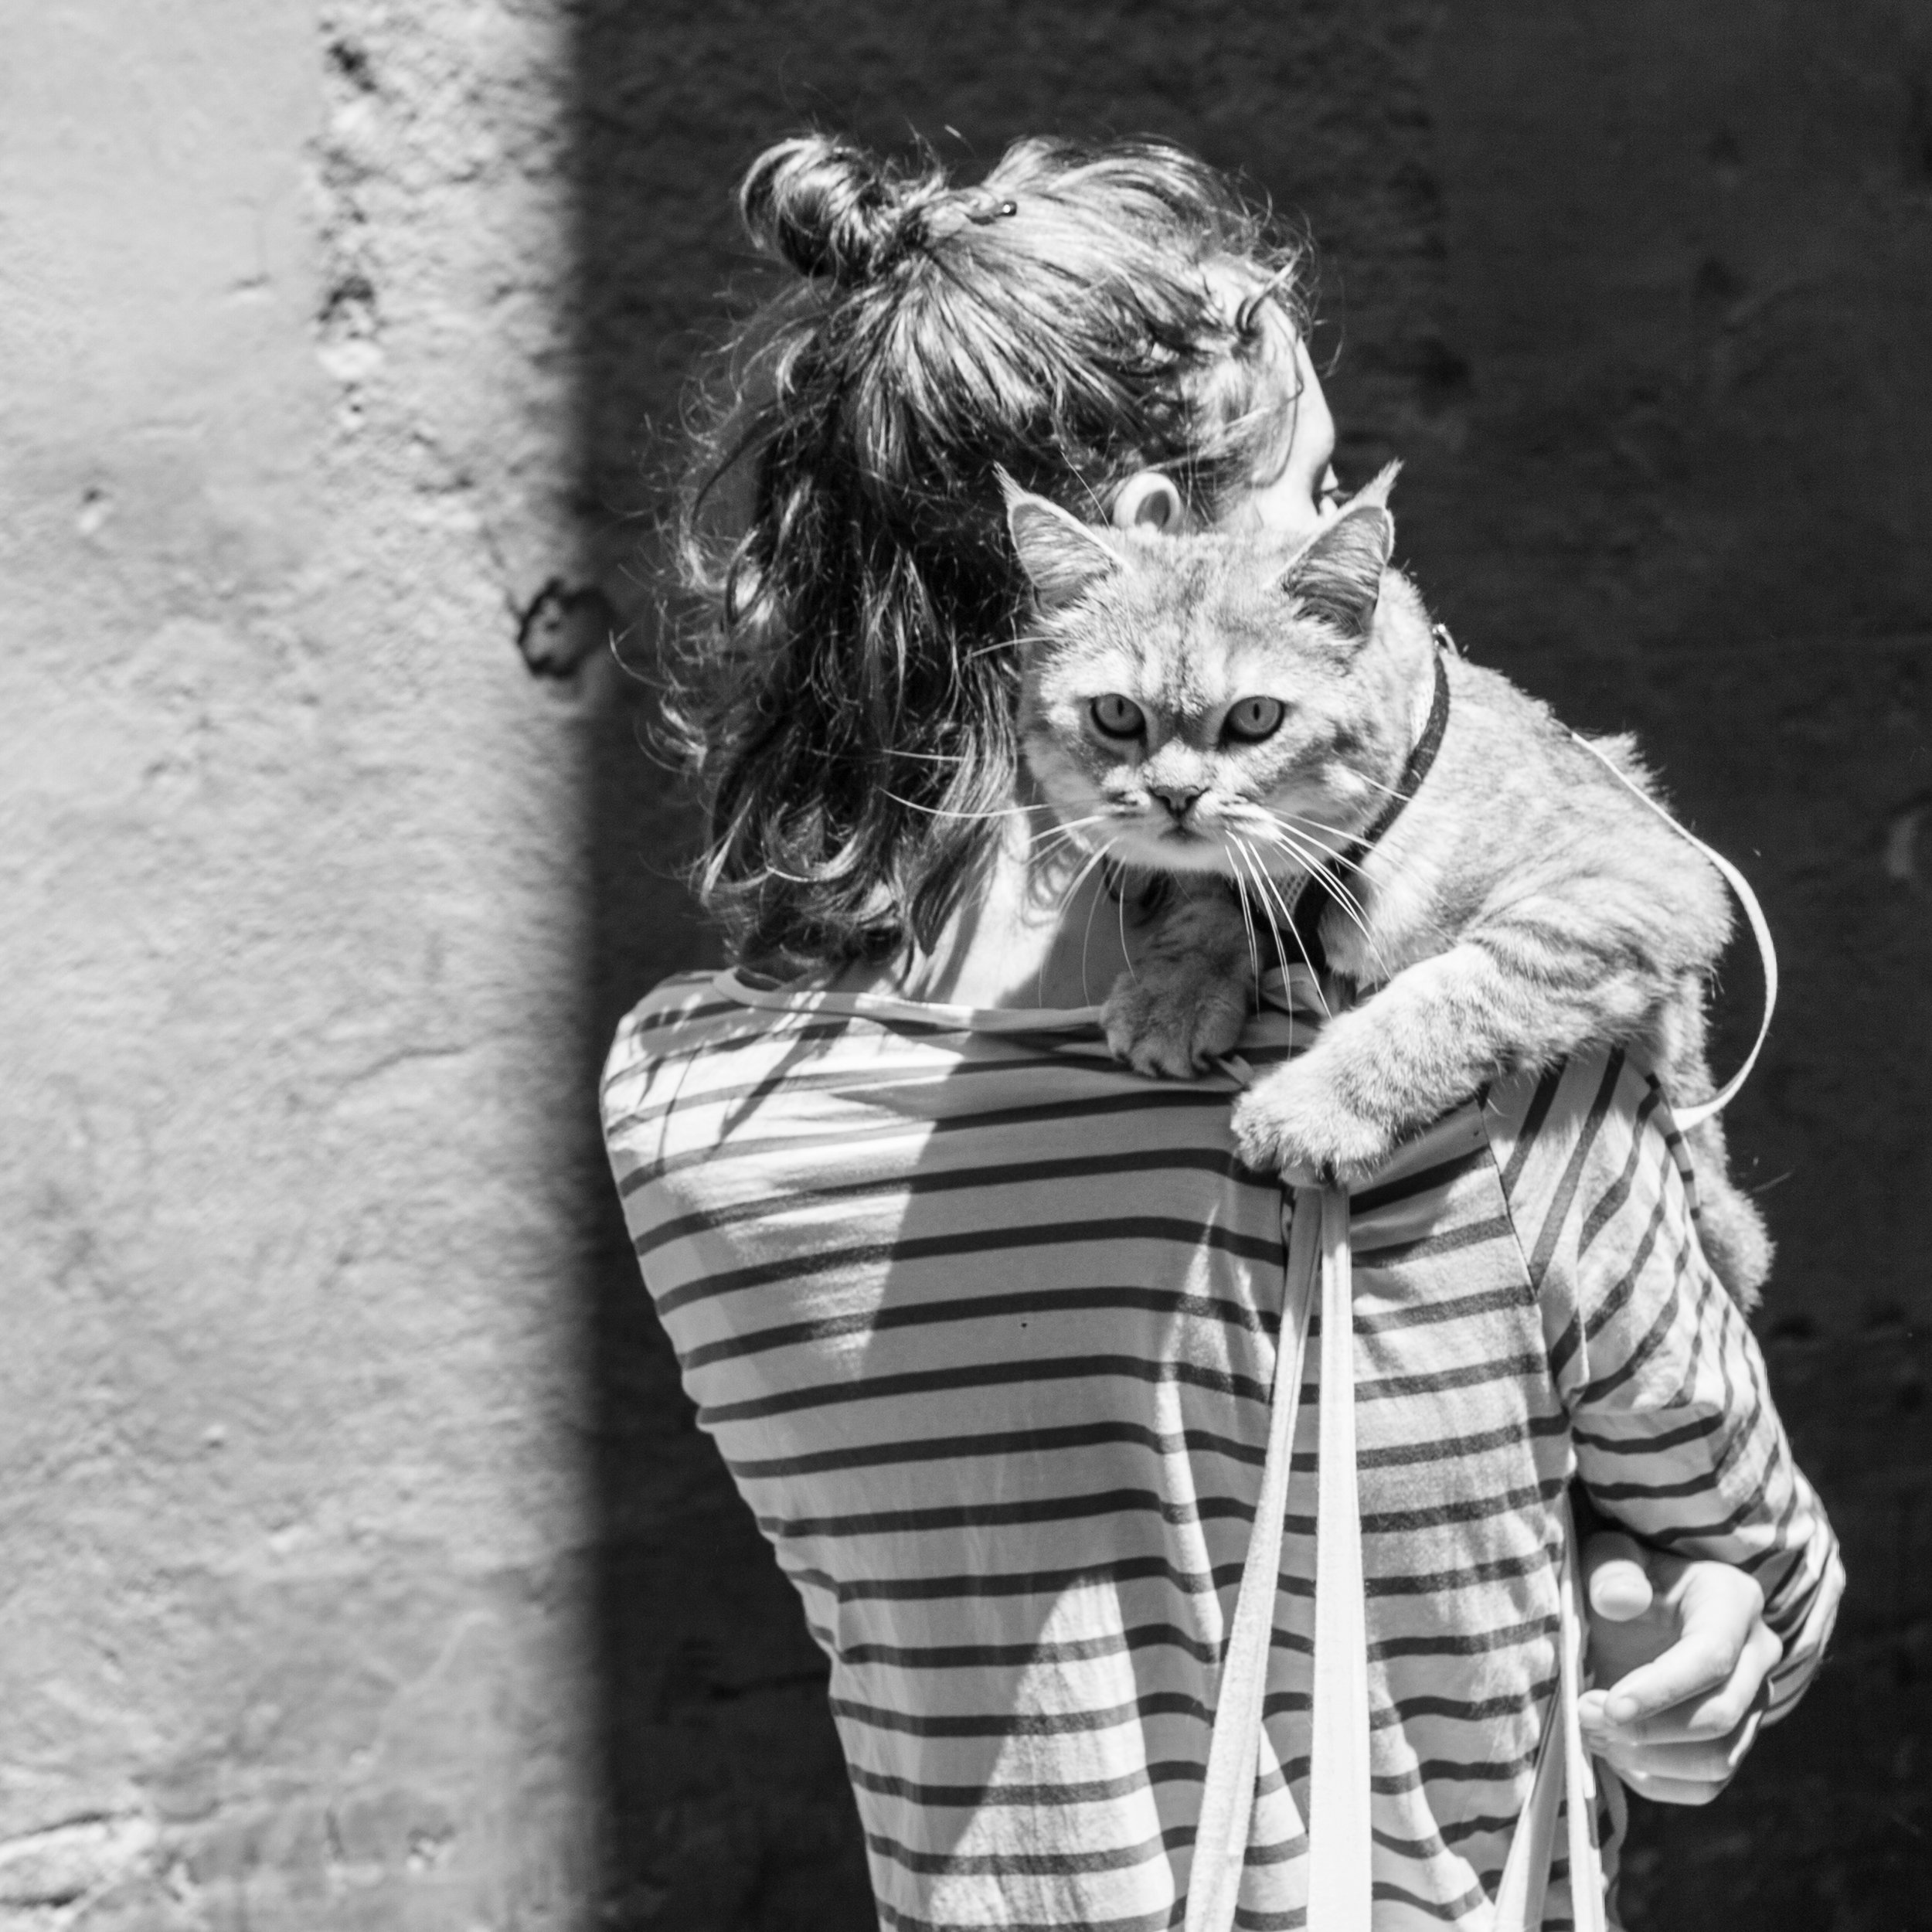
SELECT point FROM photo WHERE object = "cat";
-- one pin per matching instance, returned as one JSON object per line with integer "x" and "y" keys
{"x": 1239, "y": 711}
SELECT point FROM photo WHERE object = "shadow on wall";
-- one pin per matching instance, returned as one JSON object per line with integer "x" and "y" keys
{"x": 1639, "y": 301}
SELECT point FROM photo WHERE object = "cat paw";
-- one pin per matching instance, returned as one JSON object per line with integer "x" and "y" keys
{"x": 1174, "y": 1018}
{"x": 1295, "y": 1124}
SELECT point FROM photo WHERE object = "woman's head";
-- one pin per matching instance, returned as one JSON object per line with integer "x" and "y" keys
{"x": 1082, "y": 315}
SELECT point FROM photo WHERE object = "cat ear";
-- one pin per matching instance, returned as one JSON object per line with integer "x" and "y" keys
{"x": 1339, "y": 577}
{"x": 1062, "y": 557}
{"x": 1374, "y": 494}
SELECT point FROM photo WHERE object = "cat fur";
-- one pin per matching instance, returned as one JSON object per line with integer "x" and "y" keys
{"x": 1522, "y": 907}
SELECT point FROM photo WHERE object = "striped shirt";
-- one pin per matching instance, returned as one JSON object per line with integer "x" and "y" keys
{"x": 985, "y": 1326}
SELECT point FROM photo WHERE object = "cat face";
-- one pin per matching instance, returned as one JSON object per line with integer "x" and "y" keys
{"x": 1224, "y": 703}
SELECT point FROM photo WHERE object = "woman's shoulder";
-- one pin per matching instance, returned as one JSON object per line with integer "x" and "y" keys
{"x": 1581, "y": 1147}
{"x": 690, "y": 1018}
{"x": 1558, "y": 1117}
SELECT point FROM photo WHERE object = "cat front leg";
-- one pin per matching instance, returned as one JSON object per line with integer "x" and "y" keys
{"x": 1384, "y": 1070}
{"x": 1189, "y": 997}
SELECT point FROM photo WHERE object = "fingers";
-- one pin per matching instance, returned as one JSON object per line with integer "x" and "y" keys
{"x": 1721, "y": 1627}
{"x": 1717, "y": 1714}
{"x": 1676, "y": 1728}
{"x": 1669, "y": 1791}
{"x": 1614, "y": 1576}
{"x": 1686, "y": 1773}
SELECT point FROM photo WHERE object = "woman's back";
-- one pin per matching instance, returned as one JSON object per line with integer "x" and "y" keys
{"x": 984, "y": 1326}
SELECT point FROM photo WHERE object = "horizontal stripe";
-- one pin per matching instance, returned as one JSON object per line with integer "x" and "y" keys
{"x": 981, "y": 1308}
{"x": 1166, "y": 1921}
{"x": 993, "y": 1178}
{"x": 961, "y": 1245}
{"x": 1028, "y": 1656}
{"x": 1027, "y": 1864}
{"x": 1032, "y": 1583}
{"x": 1028, "y": 1509}
{"x": 1028, "y": 1798}
{"x": 982, "y": 1375}
{"x": 1024, "y": 1723}
{"x": 1012, "y": 1442}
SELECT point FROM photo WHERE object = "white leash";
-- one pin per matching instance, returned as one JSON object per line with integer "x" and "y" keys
{"x": 1340, "y": 1843}
{"x": 1339, "y": 1882}
{"x": 1689, "y": 1117}
{"x": 1234, "y": 1749}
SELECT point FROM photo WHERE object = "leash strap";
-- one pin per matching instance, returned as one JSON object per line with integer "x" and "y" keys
{"x": 1341, "y": 1894}
{"x": 1340, "y": 1888}
{"x": 1689, "y": 1117}
{"x": 1234, "y": 1750}
{"x": 1563, "y": 1766}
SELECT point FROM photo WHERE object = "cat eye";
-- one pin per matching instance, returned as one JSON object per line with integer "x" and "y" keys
{"x": 1253, "y": 718}
{"x": 1115, "y": 717}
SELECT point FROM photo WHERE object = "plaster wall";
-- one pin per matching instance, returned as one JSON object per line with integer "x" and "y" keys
{"x": 290, "y": 1395}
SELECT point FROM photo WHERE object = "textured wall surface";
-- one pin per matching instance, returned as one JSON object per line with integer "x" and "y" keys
{"x": 363, "y": 1567}
{"x": 292, "y": 1623}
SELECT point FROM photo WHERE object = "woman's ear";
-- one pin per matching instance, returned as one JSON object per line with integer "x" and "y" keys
{"x": 1062, "y": 557}
{"x": 1149, "y": 501}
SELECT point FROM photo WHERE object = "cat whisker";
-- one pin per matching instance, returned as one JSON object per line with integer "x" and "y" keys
{"x": 1312, "y": 856}
{"x": 1072, "y": 827}
{"x": 1392, "y": 791}
{"x": 1352, "y": 908}
{"x": 1270, "y": 887}
{"x": 1248, "y": 919}
{"x": 1309, "y": 826}
{"x": 1347, "y": 837}
{"x": 1244, "y": 860}
{"x": 1087, "y": 933}
{"x": 997, "y": 812}
{"x": 1295, "y": 932}
{"x": 1050, "y": 846}
{"x": 1331, "y": 878}
{"x": 1312, "y": 832}
{"x": 1093, "y": 860}
{"x": 1319, "y": 861}
{"x": 1273, "y": 896}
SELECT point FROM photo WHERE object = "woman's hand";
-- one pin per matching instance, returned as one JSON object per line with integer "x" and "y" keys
{"x": 1682, "y": 1658}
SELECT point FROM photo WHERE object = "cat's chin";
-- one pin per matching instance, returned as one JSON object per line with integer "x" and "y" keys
{"x": 1178, "y": 850}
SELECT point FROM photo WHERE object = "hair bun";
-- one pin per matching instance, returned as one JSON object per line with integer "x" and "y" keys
{"x": 827, "y": 207}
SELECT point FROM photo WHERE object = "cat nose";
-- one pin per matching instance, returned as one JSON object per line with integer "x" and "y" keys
{"x": 1177, "y": 798}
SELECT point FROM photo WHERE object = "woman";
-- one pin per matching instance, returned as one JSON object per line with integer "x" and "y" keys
{"x": 984, "y": 1324}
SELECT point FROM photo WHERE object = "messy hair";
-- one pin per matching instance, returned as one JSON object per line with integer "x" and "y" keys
{"x": 845, "y": 688}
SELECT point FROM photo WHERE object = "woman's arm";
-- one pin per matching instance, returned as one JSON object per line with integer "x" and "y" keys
{"x": 1677, "y": 1440}
{"x": 1687, "y": 1659}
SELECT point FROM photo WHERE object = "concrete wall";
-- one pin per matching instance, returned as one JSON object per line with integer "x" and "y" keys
{"x": 292, "y": 1394}
{"x": 364, "y": 1569}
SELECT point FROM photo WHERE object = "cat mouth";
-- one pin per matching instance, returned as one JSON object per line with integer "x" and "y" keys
{"x": 1183, "y": 848}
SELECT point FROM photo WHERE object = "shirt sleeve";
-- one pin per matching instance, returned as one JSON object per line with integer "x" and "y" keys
{"x": 1676, "y": 1436}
